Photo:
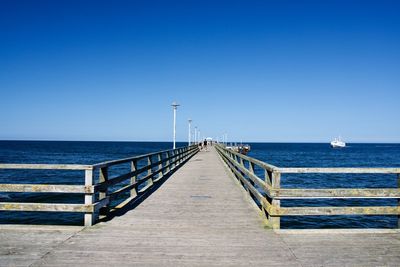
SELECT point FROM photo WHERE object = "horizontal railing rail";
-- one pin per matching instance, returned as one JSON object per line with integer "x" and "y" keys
{"x": 102, "y": 193}
{"x": 267, "y": 191}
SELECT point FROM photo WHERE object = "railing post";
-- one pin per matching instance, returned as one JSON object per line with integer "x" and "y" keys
{"x": 150, "y": 170}
{"x": 176, "y": 155}
{"x": 251, "y": 169}
{"x": 275, "y": 221}
{"x": 180, "y": 156}
{"x": 160, "y": 166}
{"x": 241, "y": 162}
{"x": 168, "y": 162}
{"x": 398, "y": 200}
{"x": 133, "y": 191}
{"x": 267, "y": 177}
{"x": 172, "y": 158}
{"x": 89, "y": 198}
{"x": 186, "y": 153}
{"x": 103, "y": 177}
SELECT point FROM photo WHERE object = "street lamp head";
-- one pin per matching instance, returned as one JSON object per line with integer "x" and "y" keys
{"x": 175, "y": 105}
{"x": 190, "y": 120}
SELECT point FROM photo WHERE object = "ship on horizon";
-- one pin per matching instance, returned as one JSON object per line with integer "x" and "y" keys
{"x": 338, "y": 143}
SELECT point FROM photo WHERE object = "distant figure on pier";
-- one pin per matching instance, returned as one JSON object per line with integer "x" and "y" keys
{"x": 200, "y": 145}
{"x": 205, "y": 144}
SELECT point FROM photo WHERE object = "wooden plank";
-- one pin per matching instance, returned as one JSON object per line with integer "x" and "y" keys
{"x": 340, "y": 170}
{"x": 307, "y": 211}
{"x": 47, "y": 166}
{"x": 45, "y": 188}
{"x": 332, "y": 193}
{"x": 51, "y": 207}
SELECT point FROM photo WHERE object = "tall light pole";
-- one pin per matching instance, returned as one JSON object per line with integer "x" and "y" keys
{"x": 174, "y": 106}
{"x": 190, "y": 132}
{"x": 195, "y": 134}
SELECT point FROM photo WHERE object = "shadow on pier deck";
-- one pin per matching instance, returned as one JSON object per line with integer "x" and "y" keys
{"x": 198, "y": 217}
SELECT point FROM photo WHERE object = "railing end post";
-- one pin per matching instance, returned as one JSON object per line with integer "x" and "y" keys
{"x": 89, "y": 217}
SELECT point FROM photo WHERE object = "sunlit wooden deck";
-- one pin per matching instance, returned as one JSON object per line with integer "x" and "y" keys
{"x": 199, "y": 217}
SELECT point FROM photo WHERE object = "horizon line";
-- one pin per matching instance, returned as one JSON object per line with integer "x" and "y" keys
{"x": 185, "y": 141}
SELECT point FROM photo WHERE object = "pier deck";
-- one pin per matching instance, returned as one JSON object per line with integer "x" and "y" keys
{"x": 199, "y": 216}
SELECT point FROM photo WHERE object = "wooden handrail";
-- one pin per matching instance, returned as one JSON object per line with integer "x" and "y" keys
{"x": 340, "y": 170}
{"x": 99, "y": 195}
{"x": 268, "y": 192}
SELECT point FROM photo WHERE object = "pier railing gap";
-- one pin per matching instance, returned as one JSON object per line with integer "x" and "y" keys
{"x": 267, "y": 191}
{"x": 102, "y": 192}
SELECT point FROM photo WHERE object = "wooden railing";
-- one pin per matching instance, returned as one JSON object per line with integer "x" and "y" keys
{"x": 103, "y": 193}
{"x": 267, "y": 192}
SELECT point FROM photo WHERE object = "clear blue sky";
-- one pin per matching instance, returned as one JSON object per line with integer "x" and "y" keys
{"x": 292, "y": 71}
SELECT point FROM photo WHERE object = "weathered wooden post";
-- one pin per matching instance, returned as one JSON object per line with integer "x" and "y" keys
{"x": 179, "y": 156}
{"x": 268, "y": 183}
{"x": 133, "y": 191}
{"x": 276, "y": 184}
{"x": 168, "y": 156}
{"x": 241, "y": 162}
{"x": 160, "y": 166}
{"x": 173, "y": 163}
{"x": 182, "y": 155}
{"x": 251, "y": 169}
{"x": 89, "y": 197}
{"x": 185, "y": 153}
{"x": 150, "y": 171}
{"x": 103, "y": 177}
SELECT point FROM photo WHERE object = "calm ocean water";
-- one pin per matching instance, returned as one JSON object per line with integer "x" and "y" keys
{"x": 279, "y": 154}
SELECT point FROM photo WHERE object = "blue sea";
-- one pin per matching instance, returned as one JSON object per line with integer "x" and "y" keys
{"x": 279, "y": 154}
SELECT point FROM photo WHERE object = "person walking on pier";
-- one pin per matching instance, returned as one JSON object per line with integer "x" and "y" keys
{"x": 205, "y": 144}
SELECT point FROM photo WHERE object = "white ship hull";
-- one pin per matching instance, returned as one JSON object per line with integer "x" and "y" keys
{"x": 338, "y": 144}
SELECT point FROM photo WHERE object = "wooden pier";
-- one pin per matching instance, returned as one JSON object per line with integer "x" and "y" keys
{"x": 199, "y": 216}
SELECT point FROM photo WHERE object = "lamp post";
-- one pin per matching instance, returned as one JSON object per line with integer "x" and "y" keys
{"x": 190, "y": 132}
{"x": 174, "y": 106}
{"x": 195, "y": 134}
